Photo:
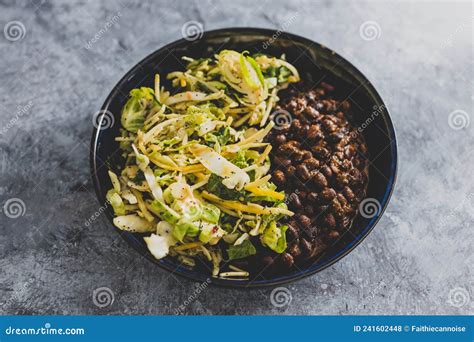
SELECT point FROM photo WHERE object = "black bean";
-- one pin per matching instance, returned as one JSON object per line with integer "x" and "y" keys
{"x": 329, "y": 105}
{"x": 346, "y": 165}
{"x": 297, "y": 156}
{"x": 345, "y": 105}
{"x": 335, "y": 137}
{"x": 321, "y": 152}
{"x": 327, "y": 86}
{"x": 337, "y": 157}
{"x": 327, "y": 194}
{"x": 302, "y": 194}
{"x": 340, "y": 197}
{"x": 281, "y": 162}
{"x": 306, "y": 247}
{"x": 320, "y": 180}
{"x": 311, "y": 163}
{"x": 334, "y": 119}
{"x": 304, "y": 220}
{"x": 342, "y": 180}
{"x": 318, "y": 247}
{"x": 349, "y": 194}
{"x": 314, "y": 133}
{"x": 333, "y": 234}
{"x": 303, "y": 172}
{"x": 290, "y": 171}
{"x": 310, "y": 232}
{"x": 329, "y": 126}
{"x": 279, "y": 177}
{"x": 313, "y": 197}
{"x": 349, "y": 151}
{"x": 292, "y": 232}
{"x": 334, "y": 168}
{"x": 280, "y": 139}
{"x": 295, "y": 200}
{"x": 266, "y": 261}
{"x": 326, "y": 171}
{"x": 307, "y": 155}
{"x": 308, "y": 210}
{"x": 296, "y": 126}
{"x": 321, "y": 163}
{"x": 336, "y": 208}
{"x": 329, "y": 220}
{"x": 294, "y": 250}
{"x": 286, "y": 260}
{"x": 355, "y": 177}
{"x": 311, "y": 113}
{"x": 304, "y": 130}
{"x": 288, "y": 148}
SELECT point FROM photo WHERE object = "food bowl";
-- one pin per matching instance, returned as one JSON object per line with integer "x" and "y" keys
{"x": 315, "y": 63}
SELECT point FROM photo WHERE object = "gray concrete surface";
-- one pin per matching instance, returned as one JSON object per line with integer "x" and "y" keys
{"x": 419, "y": 56}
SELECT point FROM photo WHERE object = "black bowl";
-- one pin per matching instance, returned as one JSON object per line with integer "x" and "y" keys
{"x": 315, "y": 62}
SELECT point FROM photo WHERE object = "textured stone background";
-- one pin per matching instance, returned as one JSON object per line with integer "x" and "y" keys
{"x": 419, "y": 258}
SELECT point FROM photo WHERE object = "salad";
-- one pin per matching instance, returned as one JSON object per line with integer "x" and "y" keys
{"x": 196, "y": 174}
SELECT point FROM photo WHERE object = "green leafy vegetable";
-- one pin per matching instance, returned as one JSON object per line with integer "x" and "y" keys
{"x": 184, "y": 228}
{"x": 164, "y": 212}
{"x": 243, "y": 250}
{"x": 223, "y": 135}
{"x": 210, "y": 232}
{"x": 189, "y": 212}
{"x": 246, "y": 72}
{"x": 210, "y": 213}
{"x": 215, "y": 186}
{"x": 274, "y": 237}
{"x": 283, "y": 74}
{"x": 257, "y": 69}
{"x": 115, "y": 200}
{"x": 240, "y": 160}
{"x": 135, "y": 110}
{"x": 280, "y": 73}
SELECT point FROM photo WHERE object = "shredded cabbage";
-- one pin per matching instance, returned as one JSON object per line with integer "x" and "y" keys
{"x": 196, "y": 162}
